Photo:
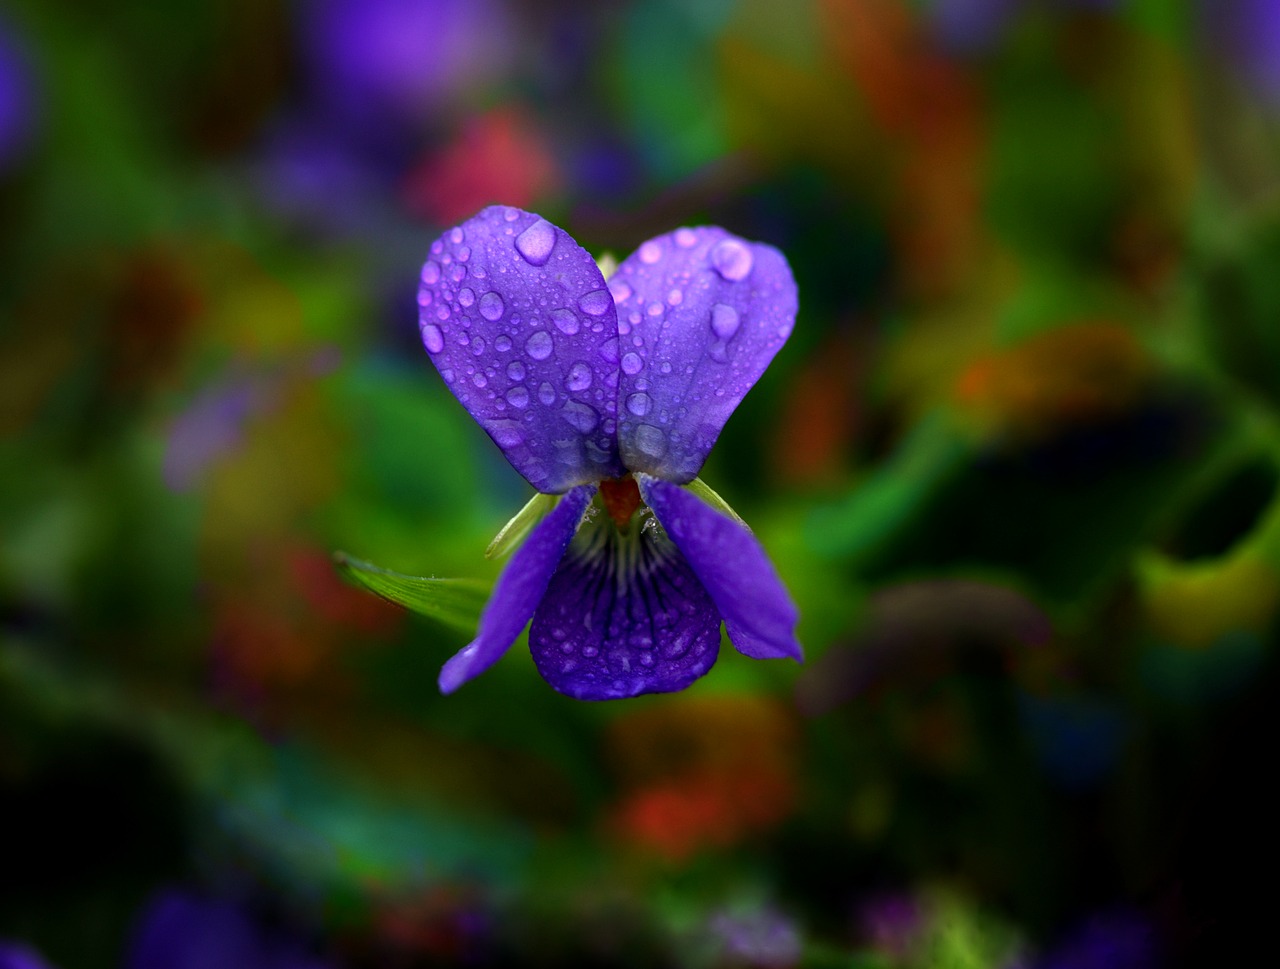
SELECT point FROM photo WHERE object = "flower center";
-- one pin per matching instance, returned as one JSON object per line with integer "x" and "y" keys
{"x": 621, "y": 497}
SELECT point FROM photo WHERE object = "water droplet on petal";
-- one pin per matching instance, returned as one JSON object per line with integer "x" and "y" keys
{"x": 536, "y": 242}
{"x": 480, "y": 380}
{"x": 507, "y": 434}
{"x": 464, "y": 254}
{"x": 455, "y": 235}
{"x": 566, "y": 321}
{"x": 650, "y": 440}
{"x": 581, "y": 416}
{"x": 609, "y": 350}
{"x": 685, "y": 237}
{"x": 517, "y": 396}
{"x": 724, "y": 321}
{"x": 620, "y": 290}
{"x": 510, "y": 214}
{"x": 515, "y": 370}
{"x": 467, "y": 296}
{"x": 675, "y": 297}
{"x": 442, "y": 312}
{"x": 547, "y": 394}
{"x": 596, "y": 303}
{"x": 632, "y": 364}
{"x": 502, "y": 344}
{"x": 540, "y": 345}
{"x": 639, "y": 404}
{"x": 492, "y": 307}
{"x": 732, "y": 260}
{"x": 457, "y": 272}
{"x": 579, "y": 377}
{"x": 433, "y": 338}
{"x": 430, "y": 273}
{"x": 650, "y": 252}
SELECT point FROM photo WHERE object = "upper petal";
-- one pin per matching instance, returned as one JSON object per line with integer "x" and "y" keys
{"x": 519, "y": 589}
{"x": 758, "y": 613}
{"x": 517, "y": 318}
{"x": 624, "y": 615}
{"x": 700, "y": 315}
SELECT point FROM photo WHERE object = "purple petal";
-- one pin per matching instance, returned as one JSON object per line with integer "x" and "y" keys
{"x": 700, "y": 315}
{"x": 624, "y": 615}
{"x": 19, "y": 957}
{"x": 519, "y": 590}
{"x": 516, "y": 317}
{"x": 758, "y": 613}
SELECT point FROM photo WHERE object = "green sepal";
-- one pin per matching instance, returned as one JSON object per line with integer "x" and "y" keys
{"x": 514, "y": 531}
{"x": 454, "y": 602}
{"x": 708, "y": 494}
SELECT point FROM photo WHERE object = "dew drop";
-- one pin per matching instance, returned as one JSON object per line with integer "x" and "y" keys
{"x": 507, "y": 434}
{"x": 581, "y": 416}
{"x": 430, "y": 273}
{"x": 517, "y": 396}
{"x": 579, "y": 377}
{"x": 464, "y": 254}
{"x": 457, "y": 272}
{"x": 675, "y": 297}
{"x": 724, "y": 321}
{"x": 492, "y": 307}
{"x": 433, "y": 338}
{"x": 566, "y": 321}
{"x": 455, "y": 235}
{"x": 620, "y": 290}
{"x": 547, "y": 394}
{"x": 540, "y": 345}
{"x": 632, "y": 364}
{"x": 609, "y": 350}
{"x": 515, "y": 370}
{"x": 596, "y": 303}
{"x": 502, "y": 344}
{"x": 650, "y": 440}
{"x": 442, "y": 312}
{"x": 536, "y": 242}
{"x": 479, "y": 379}
{"x": 732, "y": 260}
{"x": 685, "y": 237}
{"x": 639, "y": 404}
{"x": 467, "y": 296}
{"x": 510, "y": 214}
{"x": 650, "y": 252}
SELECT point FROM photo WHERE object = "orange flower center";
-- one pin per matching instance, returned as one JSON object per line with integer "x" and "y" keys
{"x": 621, "y": 497}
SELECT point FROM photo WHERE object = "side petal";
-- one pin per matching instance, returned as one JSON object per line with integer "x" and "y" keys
{"x": 519, "y": 589}
{"x": 516, "y": 317}
{"x": 624, "y": 615}
{"x": 758, "y": 613}
{"x": 700, "y": 315}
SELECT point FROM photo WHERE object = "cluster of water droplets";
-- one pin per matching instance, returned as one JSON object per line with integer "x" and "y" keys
{"x": 564, "y": 352}
{"x": 624, "y": 612}
{"x": 661, "y": 297}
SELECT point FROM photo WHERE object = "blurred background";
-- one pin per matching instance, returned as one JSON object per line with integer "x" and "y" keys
{"x": 1018, "y": 466}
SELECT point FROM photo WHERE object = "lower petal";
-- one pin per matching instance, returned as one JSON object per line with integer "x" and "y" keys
{"x": 624, "y": 615}
{"x": 519, "y": 589}
{"x": 758, "y": 613}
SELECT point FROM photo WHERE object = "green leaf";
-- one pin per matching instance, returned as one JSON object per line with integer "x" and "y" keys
{"x": 454, "y": 602}
{"x": 514, "y": 531}
{"x": 709, "y": 495}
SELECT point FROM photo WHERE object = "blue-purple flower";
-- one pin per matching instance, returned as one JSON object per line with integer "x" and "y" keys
{"x": 610, "y": 395}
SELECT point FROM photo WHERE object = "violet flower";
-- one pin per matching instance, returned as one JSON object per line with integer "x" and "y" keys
{"x": 610, "y": 396}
